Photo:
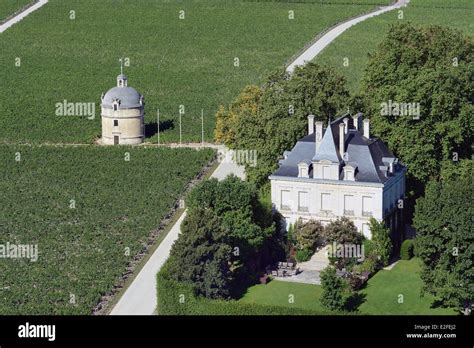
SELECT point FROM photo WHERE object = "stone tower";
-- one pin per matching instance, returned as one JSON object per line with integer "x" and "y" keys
{"x": 122, "y": 115}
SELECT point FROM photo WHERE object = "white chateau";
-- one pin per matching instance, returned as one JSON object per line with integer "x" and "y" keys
{"x": 340, "y": 171}
{"x": 122, "y": 115}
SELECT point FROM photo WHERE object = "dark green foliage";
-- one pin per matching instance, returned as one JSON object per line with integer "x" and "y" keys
{"x": 406, "y": 250}
{"x": 416, "y": 65}
{"x": 303, "y": 255}
{"x": 382, "y": 245}
{"x": 229, "y": 195}
{"x": 370, "y": 264}
{"x": 335, "y": 290}
{"x": 280, "y": 118}
{"x": 199, "y": 256}
{"x": 342, "y": 231}
{"x": 368, "y": 247}
{"x": 223, "y": 245}
{"x": 445, "y": 240}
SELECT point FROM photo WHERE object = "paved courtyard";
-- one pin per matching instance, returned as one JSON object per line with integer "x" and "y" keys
{"x": 310, "y": 269}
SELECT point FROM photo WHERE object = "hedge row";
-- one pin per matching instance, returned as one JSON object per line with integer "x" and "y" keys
{"x": 175, "y": 298}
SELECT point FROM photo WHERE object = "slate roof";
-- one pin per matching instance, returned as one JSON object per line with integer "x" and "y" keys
{"x": 367, "y": 154}
{"x": 128, "y": 96}
{"x": 327, "y": 149}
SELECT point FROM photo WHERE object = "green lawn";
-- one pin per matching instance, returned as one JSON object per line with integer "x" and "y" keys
{"x": 278, "y": 293}
{"x": 383, "y": 290}
{"x": 173, "y": 61}
{"x": 8, "y": 7}
{"x": 357, "y": 42}
{"x": 381, "y": 294}
{"x": 89, "y": 211}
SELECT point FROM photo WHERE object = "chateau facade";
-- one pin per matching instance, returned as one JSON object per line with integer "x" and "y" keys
{"x": 340, "y": 171}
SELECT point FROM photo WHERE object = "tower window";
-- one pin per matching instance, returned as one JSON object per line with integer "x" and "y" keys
{"x": 115, "y": 123}
{"x": 115, "y": 107}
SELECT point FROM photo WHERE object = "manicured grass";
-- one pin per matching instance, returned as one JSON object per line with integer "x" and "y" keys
{"x": 357, "y": 42}
{"x": 89, "y": 211}
{"x": 8, "y": 7}
{"x": 278, "y": 293}
{"x": 383, "y": 290}
{"x": 381, "y": 295}
{"x": 173, "y": 61}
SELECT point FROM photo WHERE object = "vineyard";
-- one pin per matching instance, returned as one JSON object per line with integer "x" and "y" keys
{"x": 456, "y": 14}
{"x": 89, "y": 211}
{"x": 9, "y": 7}
{"x": 198, "y": 54}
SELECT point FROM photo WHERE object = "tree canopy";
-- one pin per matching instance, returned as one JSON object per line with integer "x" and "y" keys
{"x": 431, "y": 66}
{"x": 223, "y": 241}
{"x": 272, "y": 118}
{"x": 445, "y": 240}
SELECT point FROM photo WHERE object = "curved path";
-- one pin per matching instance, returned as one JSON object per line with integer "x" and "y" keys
{"x": 316, "y": 48}
{"x": 22, "y": 15}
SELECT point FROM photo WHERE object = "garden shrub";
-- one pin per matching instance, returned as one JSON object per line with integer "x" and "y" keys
{"x": 303, "y": 255}
{"x": 407, "y": 249}
{"x": 307, "y": 235}
{"x": 370, "y": 264}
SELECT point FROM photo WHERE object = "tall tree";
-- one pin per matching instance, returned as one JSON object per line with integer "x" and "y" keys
{"x": 270, "y": 120}
{"x": 382, "y": 245}
{"x": 445, "y": 240}
{"x": 336, "y": 291}
{"x": 431, "y": 68}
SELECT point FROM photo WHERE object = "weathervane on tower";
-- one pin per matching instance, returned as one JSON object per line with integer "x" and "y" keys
{"x": 121, "y": 66}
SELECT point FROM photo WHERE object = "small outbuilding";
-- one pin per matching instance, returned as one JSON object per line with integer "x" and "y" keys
{"x": 122, "y": 115}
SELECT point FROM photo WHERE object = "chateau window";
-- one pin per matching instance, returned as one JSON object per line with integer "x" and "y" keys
{"x": 349, "y": 205}
{"x": 115, "y": 107}
{"x": 115, "y": 123}
{"x": 326, "y": 202}
{"x": 303, "y": 201}
{"x": 367, "y": 206}
{"x": 285, "y": 200}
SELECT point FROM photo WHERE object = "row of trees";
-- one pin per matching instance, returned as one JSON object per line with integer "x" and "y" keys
{"x": 226, "y": 238}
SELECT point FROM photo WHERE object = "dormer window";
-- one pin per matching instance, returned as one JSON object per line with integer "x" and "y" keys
{"x": 115, "y": 104}
{"x": 303, "y": 169}
{"x": 349, "y": 172}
